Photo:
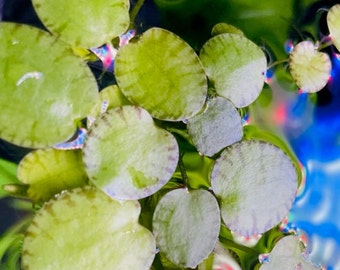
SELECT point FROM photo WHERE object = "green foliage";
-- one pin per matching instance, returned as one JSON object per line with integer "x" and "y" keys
{"x": 7, "y": 175}
{"x": 93, "y": 225}
{"x": 151, "y": 74}
{"x": 169, "y": 134}
{"x": 58, "y": 86}
{"x": 84, "y": 24}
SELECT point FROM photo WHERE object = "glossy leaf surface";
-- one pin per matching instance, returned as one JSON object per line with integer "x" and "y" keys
{"x": 45, "y": 88}
{"x": 127, "y": 156}
{"x": 186, "y": 226}
{"x": 84, "y": 24}
{"x": 235, "y": 66}
{"x": 309, "y": 68}
{"x": 162, "y": 74}
{"x": 256, "y": 184}
{"x": 215, "y": 128}
{"x": 50, "y": 171}
{"x": 86, "y": 229}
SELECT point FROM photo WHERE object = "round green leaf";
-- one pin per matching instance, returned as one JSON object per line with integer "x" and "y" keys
{"x": 235, "y": 66}
{"x": 127, "y": 156}
{"x": 50, "y": 171}
{"x": 333, "y": 23}
{"x": 84, "y": 24}
{"x": 45, "y": 88}
{"x": 288, "y": 253}
{"x": 218, "y": 126}
{"x": 309, "y": 68}
{"x": 162, "y": 74}
{"x": 186, "y": 226}
{"x": 256, "y": 183}
{"x": 85, "y": 229}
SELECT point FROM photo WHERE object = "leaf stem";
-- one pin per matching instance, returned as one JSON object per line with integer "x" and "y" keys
{"x": 233, "y": 245}
{"x": 277, "y": 63}
{"x": 182, "y": 169}
{"x": 135, "y": 11}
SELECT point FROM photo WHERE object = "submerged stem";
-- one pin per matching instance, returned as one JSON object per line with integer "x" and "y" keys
{"x": 135, "y": 11}
{"x": 182, "y": 169}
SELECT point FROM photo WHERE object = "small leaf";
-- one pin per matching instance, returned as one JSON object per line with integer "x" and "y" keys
{"x": 127, "y": 156}
{"x": 309, "y": 68}
{"x": 235, "y": 66}
{"x": 333, "y": 23}
{"x": 288, "y": 254}
{"x": 218, "y": 126}
{"x": 222, "y": 28}
{"x": 45, "y": 89}
{"x": 84, "y": 24}
{"x": 256, "y": 184}
{"x": 50, "y": 171}
{"x": 186, "y": 226}
{"x": 85, "y": 229}
{"x": 162, "y": 74}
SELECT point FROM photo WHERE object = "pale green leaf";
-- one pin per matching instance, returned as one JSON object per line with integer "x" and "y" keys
{"x": 162, "y": 74}
{"x": 127, "y": 156}
{"x": 86, "y": 229}
{"x": 84, "y": 24}
{"x": 218, "y": 126}
{"x": 50, "y": 171}
{"x": 186, "y": 226}
{"x": 45, "y": 88}
{"x": 235, "y": 66}
{"x": 256, "y": 184}
{"x": 309, "y": 68}
{"x": 288, "y": 253}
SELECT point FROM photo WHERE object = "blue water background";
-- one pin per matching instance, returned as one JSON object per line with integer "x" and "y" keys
{"x": 314, "y": 134}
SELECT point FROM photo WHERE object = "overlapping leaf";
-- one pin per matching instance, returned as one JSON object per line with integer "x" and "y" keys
{"x": 84, "y": 24}
{"x": 45, "y": 88}
{"x": 127, "y": 156}
{"x": 186, "y": 226}
{"x": 256, "y": 184}
{"x": 50, "y": 171}
{"x": 86, "y": 229}
{"x": 218, "y": 126}
{"x": 235, "y": 66}
{"x": 162, "y": 74}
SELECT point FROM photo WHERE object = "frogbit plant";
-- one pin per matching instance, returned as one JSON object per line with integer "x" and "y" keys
{"x": 158, "y": 171}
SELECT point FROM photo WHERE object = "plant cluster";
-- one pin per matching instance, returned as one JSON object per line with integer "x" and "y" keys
{"x": 159, "y": 170}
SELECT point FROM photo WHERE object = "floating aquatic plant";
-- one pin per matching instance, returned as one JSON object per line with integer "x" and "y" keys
{"x": 169, "y": 133}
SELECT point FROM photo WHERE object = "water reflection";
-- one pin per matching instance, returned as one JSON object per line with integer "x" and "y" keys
{"x": 313, "y": 131}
